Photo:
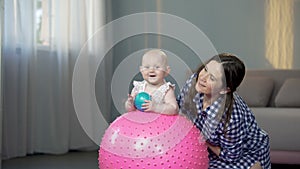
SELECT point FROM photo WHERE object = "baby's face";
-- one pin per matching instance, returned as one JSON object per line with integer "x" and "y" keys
{"x": 154, "y": 61}
{"x": 154, "y": 68}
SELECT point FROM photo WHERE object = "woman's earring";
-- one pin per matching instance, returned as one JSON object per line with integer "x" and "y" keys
{"x": 225, "y": 91}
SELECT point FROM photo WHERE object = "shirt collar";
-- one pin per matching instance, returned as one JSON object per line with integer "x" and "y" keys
{"x": 210, "y": 110}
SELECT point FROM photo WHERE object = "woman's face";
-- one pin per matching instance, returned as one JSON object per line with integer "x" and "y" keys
{"x": 210, "y": 79}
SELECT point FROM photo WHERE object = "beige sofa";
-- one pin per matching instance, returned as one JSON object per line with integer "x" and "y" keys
{"x": 274, "y": 98}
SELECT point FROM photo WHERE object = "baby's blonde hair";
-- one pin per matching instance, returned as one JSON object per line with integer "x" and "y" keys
{"x": 158, "y": 52}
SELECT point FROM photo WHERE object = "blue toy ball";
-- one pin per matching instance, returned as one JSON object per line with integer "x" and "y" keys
{"x": 140, "y": 99}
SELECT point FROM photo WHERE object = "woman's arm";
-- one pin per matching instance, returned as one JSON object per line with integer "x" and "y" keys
{"x": 231, "y": 142}
{"x": 215, "y": 149}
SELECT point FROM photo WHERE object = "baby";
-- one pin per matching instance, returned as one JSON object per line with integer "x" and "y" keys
{"x": 154, "y": 69}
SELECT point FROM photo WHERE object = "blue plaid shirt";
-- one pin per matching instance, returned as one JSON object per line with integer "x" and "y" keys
{"x": 244, "y": 142}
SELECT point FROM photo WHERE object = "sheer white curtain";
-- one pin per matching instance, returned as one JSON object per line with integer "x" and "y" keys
{"x": 38, "y": 112}
{"x": 1, "y": 109}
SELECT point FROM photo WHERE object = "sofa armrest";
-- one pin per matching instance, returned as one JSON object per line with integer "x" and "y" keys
{"x": 282, "y": 125}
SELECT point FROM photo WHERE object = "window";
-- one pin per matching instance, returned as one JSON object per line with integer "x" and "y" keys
{"x": 42, "y": 22}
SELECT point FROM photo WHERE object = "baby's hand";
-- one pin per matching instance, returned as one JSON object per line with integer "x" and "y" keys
{"x": 148, "y": 106}
{"x": 129, "y": 103}
{"x": 130, "y": 98}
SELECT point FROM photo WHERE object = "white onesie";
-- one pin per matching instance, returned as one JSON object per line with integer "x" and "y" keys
{"x": 158, "y": 95}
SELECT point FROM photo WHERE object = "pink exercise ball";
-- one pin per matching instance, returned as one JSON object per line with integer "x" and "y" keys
{"x": 137, "y": 140}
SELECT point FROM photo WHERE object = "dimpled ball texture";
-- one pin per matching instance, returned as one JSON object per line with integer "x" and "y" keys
{"x": 137, "y": 140}
{"x": 140, "y": 99}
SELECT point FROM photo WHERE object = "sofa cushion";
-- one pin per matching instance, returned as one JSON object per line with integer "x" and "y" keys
{"x": 288, "y": 95}
{"x": 256, "y": 90}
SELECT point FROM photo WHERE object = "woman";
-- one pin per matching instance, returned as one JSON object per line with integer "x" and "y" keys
{"x": 209, "y": 99}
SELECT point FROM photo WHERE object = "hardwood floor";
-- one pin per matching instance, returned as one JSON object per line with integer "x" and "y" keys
{"x": 74, "y": 160}
{"x": 71, "y": 160}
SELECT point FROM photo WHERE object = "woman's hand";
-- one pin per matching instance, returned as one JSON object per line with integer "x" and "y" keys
{"x": 215, "y": 149}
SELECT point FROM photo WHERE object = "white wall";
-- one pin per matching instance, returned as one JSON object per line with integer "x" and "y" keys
{"x": 235, "y": 26}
